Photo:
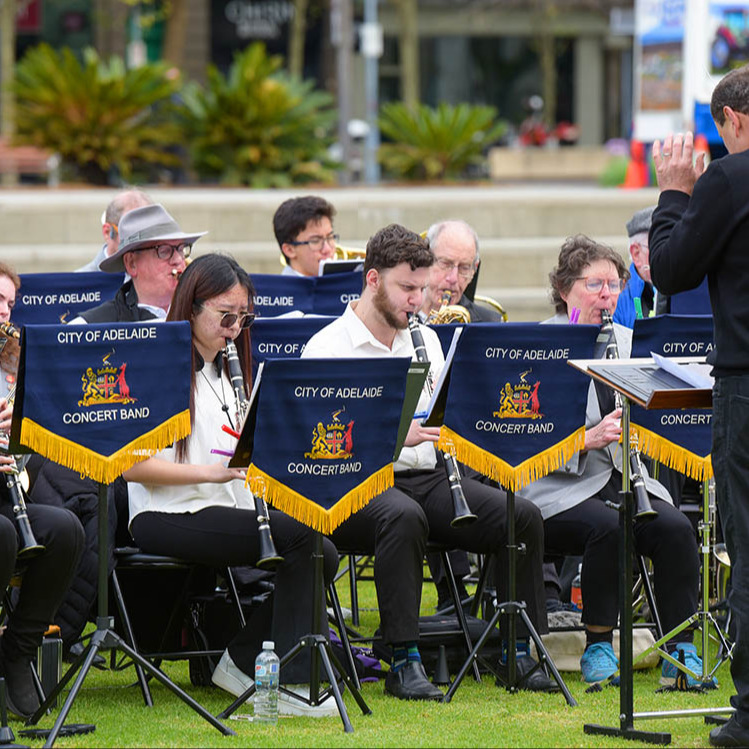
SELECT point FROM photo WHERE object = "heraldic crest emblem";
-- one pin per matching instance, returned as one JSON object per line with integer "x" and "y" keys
{"x": 332, "y": 441}
{"x": 105, "y": 384}
{"x": 519, "y": 401}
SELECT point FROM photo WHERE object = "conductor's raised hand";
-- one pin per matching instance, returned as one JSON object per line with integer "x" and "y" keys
{"x": 675, "y": 167}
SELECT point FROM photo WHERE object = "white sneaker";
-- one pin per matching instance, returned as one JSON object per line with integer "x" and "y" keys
{"x": 289, "y": 706}
{"x": 230, "y": 677}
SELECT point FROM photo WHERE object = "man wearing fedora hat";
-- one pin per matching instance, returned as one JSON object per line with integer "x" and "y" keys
{"x": 152, "y": 250}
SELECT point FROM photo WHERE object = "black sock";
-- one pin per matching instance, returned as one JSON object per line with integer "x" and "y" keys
{"x": 591, "y": 638}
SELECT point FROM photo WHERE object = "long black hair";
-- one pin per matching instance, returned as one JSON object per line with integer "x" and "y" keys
{"x": 205, "y": 278}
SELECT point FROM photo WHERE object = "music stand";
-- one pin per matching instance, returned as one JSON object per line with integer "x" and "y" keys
{"x": 104, "y": 637}
{"x": 512, "y": 608}
{"x": 322, "y": 653}
{"x": 649, "y": 393}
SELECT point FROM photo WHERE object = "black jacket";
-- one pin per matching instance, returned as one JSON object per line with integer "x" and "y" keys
{"x": 122, "y": 308}
{"x": 708, "y": 234}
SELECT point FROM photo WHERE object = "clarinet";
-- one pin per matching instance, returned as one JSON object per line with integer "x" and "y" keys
{"x": 462, "y": 514}
{"x": 269, "y": 557}
{"x": 643, "y": 508}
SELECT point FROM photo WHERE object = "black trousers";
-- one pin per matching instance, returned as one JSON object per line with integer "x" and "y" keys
{"x": 395, "y": 527}
{"x": 45, "y": 578}
{"x": 730, "y": 456}
{"x": 226, "y": 536}
{"x": 591, "y": 529}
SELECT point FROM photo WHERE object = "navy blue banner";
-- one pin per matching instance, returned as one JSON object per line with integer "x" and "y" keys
{"x": 283, "y": 337}
{"x": 445, "y": 334}
{"x": 319, "y": 295}
{"x": 49, "y": 298}
{"x": 516, "y": 408}
{"x": 679, "y": 438}
{"x": 692, "y": 302}
{"x": 99, "y": 398}
{"x": 325, "y": 434}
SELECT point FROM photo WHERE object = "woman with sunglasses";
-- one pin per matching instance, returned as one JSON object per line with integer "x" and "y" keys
{"x": 186, "y": 502}
{"x": 573, "y": 500}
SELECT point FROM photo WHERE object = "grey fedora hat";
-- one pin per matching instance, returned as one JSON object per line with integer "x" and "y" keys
{"x": 143, "y": 227}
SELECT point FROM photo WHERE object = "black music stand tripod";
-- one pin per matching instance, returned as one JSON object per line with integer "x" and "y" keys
{"x": 322, "y": 654}
{"x": 512, "y": 608}
{"x": 663, "y": 398}
{"x": 105, "y": 638}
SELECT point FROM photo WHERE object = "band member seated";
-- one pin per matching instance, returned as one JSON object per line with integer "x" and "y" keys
{"x": 152, "y": 250}
{"x": 45, "y": 579}
{"x": 186, "y": 502}
{"x": 589, "y": 277}
{"x": 396, "y": 524}
{"x": 304, "y": 232}
{"x": 455, "y": 245}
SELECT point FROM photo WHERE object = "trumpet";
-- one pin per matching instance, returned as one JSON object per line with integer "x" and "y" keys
{"x": 643, "y": 508}
{"x": 269, "y": 557}
{"x": 9, "y": 336}
{"x": 462, "y": 514}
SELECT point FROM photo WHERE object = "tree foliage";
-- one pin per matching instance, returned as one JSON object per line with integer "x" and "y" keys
{"x": 97, "y": 115}
{"x": 436, "y": 143}
{"x": 258, "y": 126}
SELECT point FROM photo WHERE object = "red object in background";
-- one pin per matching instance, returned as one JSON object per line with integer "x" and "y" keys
{"x": 638, "y": 171}
{"x": 29, "y": 18}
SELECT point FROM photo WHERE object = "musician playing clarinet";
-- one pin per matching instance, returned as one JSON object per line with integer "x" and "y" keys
{"x": 396, "y": 525}
{"x": 585, "y": 284}
{"x": 186, "y": 502}
{"x": 44, "y": 548}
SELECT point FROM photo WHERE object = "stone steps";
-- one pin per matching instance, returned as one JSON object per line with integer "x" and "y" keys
{"x": 521, "y": 227}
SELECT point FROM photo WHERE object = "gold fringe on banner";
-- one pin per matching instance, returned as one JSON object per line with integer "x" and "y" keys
{"x": 310, "y": 513}
{"x": 511, "y": 477}
{"x": 672, "y": 455}
{"x": 103, "y": 468}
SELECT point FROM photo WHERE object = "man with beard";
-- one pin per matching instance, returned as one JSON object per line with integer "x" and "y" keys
{"x": 396, "y": 525}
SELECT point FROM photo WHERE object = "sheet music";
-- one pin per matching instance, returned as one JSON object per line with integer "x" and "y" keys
{"x": 437, "y": 393}
{"x": 695, "y": 374}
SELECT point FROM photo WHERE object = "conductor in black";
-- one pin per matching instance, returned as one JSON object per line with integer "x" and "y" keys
{"x": 701, "y": 228}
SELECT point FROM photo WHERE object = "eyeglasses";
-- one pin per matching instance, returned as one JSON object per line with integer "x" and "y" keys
{"x": 465, "y": 270}
{"x": 165, "y": 251}
{"x": 316, "y": 243}
{"x": 594, "y": 285}
{"x": 229, "y": 318}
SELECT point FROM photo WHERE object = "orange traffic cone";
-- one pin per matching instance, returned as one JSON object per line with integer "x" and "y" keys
{"x": 637, "y": 168}
{"x": 701, "y": 146}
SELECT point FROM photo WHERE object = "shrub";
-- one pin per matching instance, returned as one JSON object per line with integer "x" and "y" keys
{"x": 436, "y": 143}
{"x": 259, "y": 127}
{"x": 97, "y": 115}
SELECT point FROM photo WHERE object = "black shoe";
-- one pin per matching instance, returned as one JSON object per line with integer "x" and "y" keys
{"x": 20, "y": 690}
{"x": 731, "y": 733}
{"x": 538, "y": 681}
{"x": 410, "y": 683}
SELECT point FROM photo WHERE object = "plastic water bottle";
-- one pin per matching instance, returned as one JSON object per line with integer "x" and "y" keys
{"x": 576, "y": 593}
{"x": 267, "y": 666}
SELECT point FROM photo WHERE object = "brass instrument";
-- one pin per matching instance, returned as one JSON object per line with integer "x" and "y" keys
{"x": 269, "y": 557}
{"x": 446, "y": 312}
{"x": 9, "y": 349}
{"x": 462, "y": 514}
{"x": 341, "y": 253}
{"x": 493, "y": 303}
{"x": 643, "y": 508}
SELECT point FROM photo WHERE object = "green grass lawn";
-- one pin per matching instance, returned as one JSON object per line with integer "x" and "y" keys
{"x": 480, "y": 715}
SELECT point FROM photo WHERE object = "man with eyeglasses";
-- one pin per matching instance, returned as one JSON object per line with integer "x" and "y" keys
{"x": 152, "y": 250}
{"x": 456, "y": 248}
{"x": 122, "y": 203}
{"x": 304, "y": 232}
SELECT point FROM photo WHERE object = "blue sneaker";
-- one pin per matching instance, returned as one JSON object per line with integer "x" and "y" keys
{"x": 692, "y": 661}
{"x": 598, "y": 663}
